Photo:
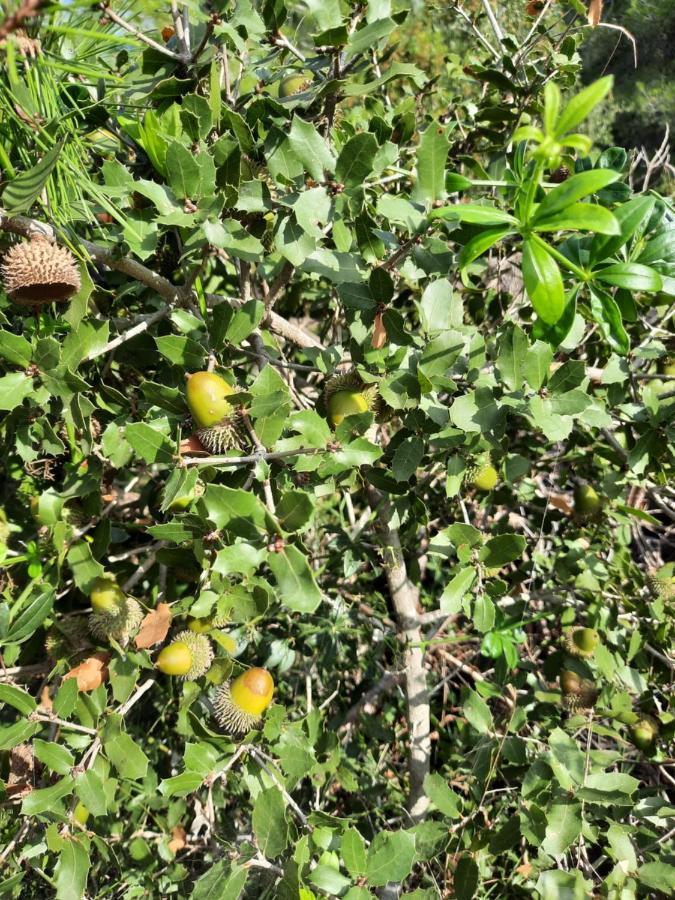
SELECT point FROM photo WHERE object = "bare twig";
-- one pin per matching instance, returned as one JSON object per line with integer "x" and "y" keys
{"x": 405, "y": 598}
{"x": 28, "y": 10}
{"x": 258, "y": 757}
{"x": 139, "y": 35}
{"x": 246, "y": 460}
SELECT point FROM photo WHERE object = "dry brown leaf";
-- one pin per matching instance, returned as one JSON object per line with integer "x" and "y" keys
{"x": 524, "y": 870}
{"x": 192, "y": 445}
{"x": 595, "y": 12}
{"x": 91, "y": 672}
{"x": 379, "y": 333}
{"x": 561, "y": 502}
{"x": 154, "y": 627}
{"x": 177, "y": 841}
{"x": 45, "y": 699}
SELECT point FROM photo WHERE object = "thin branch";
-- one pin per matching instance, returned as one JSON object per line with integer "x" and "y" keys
{"x": 282, "y": 41}
{"x": 134, "y": 331}
{"x": 160, "y": 48}
{"x": 28, "y": 10}
{"x": 258, "y": 757}
{"x": 405, "y": 598}
{"x": 492, "y": 19}
{"x": 246, "y": 460}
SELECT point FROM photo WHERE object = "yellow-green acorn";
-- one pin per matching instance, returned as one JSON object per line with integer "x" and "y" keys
{"x": 81, "y": 813}
{"x": 115, "y": 615}
{"x": 189, "y": 656}
{"x": 587, "y": 501}
{"x": 240, "y": 704}
{"x": 667, "y": 366}
{"x": 486, "y": 477}
{"x": 219, "y": 424}
{"x": 643, "y": 733}
{"x": 348, "y": 395}
{"x": 106, "y": 595}
{"x": 582, "y": 641}
{"x": 293, "y": 84}
{"x": 175, "y": 659}
{"x": 345, "y": 403}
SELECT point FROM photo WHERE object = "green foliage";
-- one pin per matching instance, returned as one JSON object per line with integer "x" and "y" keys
{"x": 442, "y": 236}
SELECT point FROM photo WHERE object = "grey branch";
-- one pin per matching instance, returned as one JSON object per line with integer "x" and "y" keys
{"x": 405, "y": 599}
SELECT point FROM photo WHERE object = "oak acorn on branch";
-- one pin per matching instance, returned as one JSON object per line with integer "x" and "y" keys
{"x": 348, "y": 395}
{"x": 582, "y": 642}
{"x": 239, "y": 704}
{"x": 188, "y": 656}
{"x": 219, "y": 426}
{"x": 115, "y": 615}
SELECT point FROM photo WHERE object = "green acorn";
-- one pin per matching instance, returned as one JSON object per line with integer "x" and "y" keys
{"x": 483, "y": 476}
{"x": 67, "y": 638}
{"x": 582, "y": 641}
{"x": 239, "y": 704}
{"x": 293, "y": 84}
{"x": 347, "y": 395}
{"x": 643, "y": 733}
{"x": 220, "y": 426}
{"x": 189, "y": 656}
{"x": 115, "y": 615}
{"x": 587, "y": 501}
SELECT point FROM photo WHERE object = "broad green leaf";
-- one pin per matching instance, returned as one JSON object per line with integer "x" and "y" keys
{"x": 55, "y": 756}
{"x": 482, "y": 242}
{"x": 581, "y": 217}
{"x": 630, "y": 217}
{"x": 14, "y": 388}
{"x": 72, "y": 869}
{"x": 367, "y": 37}
{"x": 356, "y": 159}
{"x": 556, "y": 884}
{"x": 608, "y": 787}
{"x": 407, "y": 457}
{"x": 466, "y": 878}
{"x": 563, "y": 826}
{"x": 30, "y": 618}
{"x": 90, "y": 789}
{"x": 537, "y": 363}
{"x": 582, "y": 104}
{"x": 575, "y": 188}
{"x": 150, "y": 444}
{"x": 513, "y": 350}
{"x": 183, "y": 171}
{"x": 442, "y": 796}
{"x": 269, "y": 822}
{"x": 181, "y": 351}
{"x": 440, "y": 309}
{"x": 295, "y": 580}
{"x": 390, "y": 857}
{"x": 456, "y": 589}
{"x": 502, "y": 549}
{"x": 124, "y": 753}
{"x": 475, "y": 213}
{"x": 18, "y": 698}
{"x": 47, "y": 799}
{"x": 660, "y": 876}
{"x": 295, "y": 510}
{"x": 430, "y": 167}
{"x": 15, "y": 349}
{"x": 329, "y": 879}
{"x": 21, "y": 731}
{"x": 608, "y": 316}
{"x": 484, "y": 613}
{"x": 353, "y": 851}
{"x": 477, "y": 713}
{"x": 310, "y": 148}
{"x": 543, "y": 281}
{"x": 630, "y": 275}
{"x": 222, "y": 881}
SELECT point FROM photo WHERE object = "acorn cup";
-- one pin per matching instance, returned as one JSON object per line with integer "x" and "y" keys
{"x": 661, "y": 583}
{"x": 579, "y": 694}
{"x": 36, "y": 272}
{"x": 348, "y": 395}
{"x": 67, "y": 638}
{"x": 239, "y": 705}
{"x": 115, "y": 615}
{"x": 188, "y": 656}
{"x": 219, "y": 426}
{"x": 581, "y": 641}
